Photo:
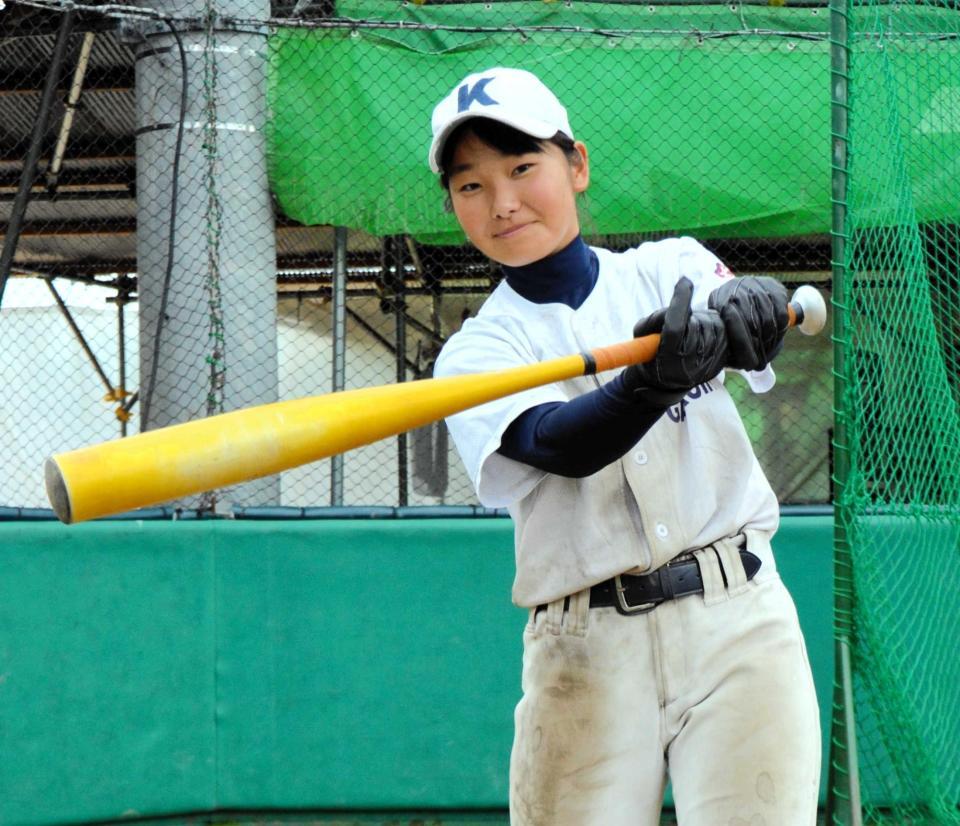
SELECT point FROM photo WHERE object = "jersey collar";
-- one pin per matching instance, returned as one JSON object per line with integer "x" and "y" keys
{"x": 566, "y": 277}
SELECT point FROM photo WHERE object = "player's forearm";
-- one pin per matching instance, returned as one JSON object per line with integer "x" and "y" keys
{"x": 579, "y": 437}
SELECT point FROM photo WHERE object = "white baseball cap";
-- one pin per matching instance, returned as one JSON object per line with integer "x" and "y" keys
{"x": 512, "y": 96}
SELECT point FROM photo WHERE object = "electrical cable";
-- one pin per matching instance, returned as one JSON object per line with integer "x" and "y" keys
{"x": 171, "y": 235}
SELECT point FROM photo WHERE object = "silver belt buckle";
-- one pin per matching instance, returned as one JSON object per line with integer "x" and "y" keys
{"x": 624, "y": 607}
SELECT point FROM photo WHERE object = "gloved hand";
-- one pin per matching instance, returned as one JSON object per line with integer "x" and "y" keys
{"x": 754, "y": 313}
{"x": 693, "y": 349}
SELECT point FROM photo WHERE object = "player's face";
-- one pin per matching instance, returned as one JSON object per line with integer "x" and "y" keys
{"x": 516, "y": 209}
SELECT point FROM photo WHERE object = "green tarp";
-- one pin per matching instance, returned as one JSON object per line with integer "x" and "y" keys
{"x": 712, "y": 120}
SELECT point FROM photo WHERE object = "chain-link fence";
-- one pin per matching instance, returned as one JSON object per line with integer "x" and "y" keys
{"x": 172, "y": 176}
{"x": 897, "y": 526}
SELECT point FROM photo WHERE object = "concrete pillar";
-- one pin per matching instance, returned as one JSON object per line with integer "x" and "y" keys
{"x": 215, "y": 301}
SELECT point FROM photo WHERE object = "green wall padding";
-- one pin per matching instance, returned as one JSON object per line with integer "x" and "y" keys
{"x": 150, "y": 668}
{"x": 106, "y": 686}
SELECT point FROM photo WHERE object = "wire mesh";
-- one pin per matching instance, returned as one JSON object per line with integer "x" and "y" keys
{"x": 900, "y": 502}
{"x": 172, "y": 253}
{"x": 211, "y": 148}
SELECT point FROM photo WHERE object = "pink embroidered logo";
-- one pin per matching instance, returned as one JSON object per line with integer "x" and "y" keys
{"x": 722, "y": 271}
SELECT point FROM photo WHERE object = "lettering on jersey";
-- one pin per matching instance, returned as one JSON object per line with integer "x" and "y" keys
{"x": 722, "y": 271}
{"x": 467, "y": 95}
{"x": 678, "y": 412}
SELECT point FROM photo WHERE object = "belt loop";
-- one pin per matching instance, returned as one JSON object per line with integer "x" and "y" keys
{"x": 578, "y": 614}
{"x": 714, "y": 590}
{"x": 728, "y": 552}
{"x": 554, "y": 618}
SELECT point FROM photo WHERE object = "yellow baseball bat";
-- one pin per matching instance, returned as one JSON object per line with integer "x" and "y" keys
{"x": 184, "y": 459}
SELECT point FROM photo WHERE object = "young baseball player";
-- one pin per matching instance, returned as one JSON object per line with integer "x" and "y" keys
{"x": 661, "y": 641}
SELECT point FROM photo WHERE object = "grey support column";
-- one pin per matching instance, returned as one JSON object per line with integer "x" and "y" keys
{"x": 208, "y": 292}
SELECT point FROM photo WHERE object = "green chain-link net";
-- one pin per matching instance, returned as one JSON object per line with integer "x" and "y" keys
{"x": 901, "y": 501}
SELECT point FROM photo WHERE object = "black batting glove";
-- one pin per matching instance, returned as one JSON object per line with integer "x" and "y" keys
{"x": 754, "y": 313}
{"x": 693, "y": 349}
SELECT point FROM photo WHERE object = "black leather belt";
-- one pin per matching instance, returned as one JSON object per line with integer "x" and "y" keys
{"x": 638, "y": 594}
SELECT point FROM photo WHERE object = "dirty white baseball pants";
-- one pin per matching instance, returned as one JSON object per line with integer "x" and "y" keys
{"x": 715, "y": 689}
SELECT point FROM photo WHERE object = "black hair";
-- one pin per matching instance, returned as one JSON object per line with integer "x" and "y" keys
{"x": 505, "y": 139}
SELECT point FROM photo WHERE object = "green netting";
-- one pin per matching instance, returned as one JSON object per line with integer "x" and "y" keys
{"x": 900, "y": 503}
{"x": 659, "y": 93}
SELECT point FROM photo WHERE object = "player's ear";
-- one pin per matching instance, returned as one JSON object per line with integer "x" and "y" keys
{"x": 581, "y": 167}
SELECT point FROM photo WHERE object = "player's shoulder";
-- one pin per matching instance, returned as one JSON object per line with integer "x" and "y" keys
{"x": 494, "y": 337}
{"x": 649, "y": 258}
{"x": 665, "y": 258}
{"x": 647, "y": 255}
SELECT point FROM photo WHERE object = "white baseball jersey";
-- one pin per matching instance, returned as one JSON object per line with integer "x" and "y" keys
{"x": 690, "y": 480}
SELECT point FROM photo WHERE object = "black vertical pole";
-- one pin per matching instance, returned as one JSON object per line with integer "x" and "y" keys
{"x": 122, "y": 358}
{"x": 19, "y": 209}
{"x": 400, "y": 310}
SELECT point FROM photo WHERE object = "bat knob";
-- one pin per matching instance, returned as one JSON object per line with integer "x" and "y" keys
{"x": 810, "y": 308}
{"x": 57, "y": 491}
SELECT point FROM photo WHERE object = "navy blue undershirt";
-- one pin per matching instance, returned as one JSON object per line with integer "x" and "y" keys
{"x": 579, "y": 437}
{"x": 566, "y": 277}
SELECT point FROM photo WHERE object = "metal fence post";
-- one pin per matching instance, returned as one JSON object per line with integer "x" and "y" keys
{"x": 843, "y": 791}
{"x": 339, "y": 346}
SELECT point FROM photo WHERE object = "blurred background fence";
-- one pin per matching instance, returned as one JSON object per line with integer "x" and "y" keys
{"x": 170, "y": 205}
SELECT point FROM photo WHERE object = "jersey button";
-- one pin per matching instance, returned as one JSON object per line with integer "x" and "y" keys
{"x": 662, "y": 531}
{"x": 640, "y": 457}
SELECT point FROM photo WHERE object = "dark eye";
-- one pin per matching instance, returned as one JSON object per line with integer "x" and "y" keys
{"x": 524, "y": 167}
{"x": 470, "y": 187}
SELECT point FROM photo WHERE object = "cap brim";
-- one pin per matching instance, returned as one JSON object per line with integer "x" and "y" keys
{"x": 535, "y": 128}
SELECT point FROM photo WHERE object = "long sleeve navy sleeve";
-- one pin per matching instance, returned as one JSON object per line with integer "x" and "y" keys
{"x": 579, "y": 437}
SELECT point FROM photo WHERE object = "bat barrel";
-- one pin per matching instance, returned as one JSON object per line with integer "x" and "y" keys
{"x": 216, "y": 452}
